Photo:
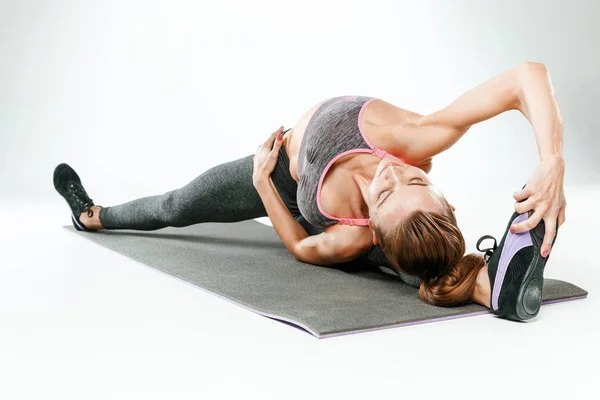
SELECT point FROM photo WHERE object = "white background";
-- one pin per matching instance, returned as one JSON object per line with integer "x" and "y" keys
{"x": 140, "y": 97}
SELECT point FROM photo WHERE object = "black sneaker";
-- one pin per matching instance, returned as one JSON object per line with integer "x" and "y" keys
{"x": 68, "y": 185}
{"x": 516, "y": 270}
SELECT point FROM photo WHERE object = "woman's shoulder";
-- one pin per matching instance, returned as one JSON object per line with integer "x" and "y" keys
{"x": 384, "y": 113}
{"x": 394, "y": 129}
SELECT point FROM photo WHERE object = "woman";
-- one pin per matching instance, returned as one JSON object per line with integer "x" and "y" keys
{"x": 349, "y": 182}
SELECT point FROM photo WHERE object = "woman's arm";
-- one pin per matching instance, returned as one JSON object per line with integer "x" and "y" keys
{"x": 331, "y": 247}
{"x": 538, "y": 104}
{"x": 526, "y": 88}
{"x": 335, "y": 245}
{"x": 289, "y": 230}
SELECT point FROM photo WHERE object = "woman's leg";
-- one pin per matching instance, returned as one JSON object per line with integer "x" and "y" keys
{"x": 224, "y": 193}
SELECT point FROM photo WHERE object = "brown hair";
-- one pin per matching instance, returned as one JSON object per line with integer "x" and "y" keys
{"x": 430, "y": 245}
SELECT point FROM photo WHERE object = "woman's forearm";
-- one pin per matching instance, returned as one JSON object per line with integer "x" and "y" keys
{"x": 538, "y": 104}
{"x": 289, "y": 230}
{"x": 526, "y": 88}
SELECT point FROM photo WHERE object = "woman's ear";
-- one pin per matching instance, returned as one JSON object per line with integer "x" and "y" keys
{"x": 453, "y": 208}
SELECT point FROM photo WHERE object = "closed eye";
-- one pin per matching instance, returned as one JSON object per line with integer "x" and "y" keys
{"x": 418, "y": 179}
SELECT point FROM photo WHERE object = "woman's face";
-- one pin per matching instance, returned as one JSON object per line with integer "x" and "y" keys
{"x": 398, "y": 189}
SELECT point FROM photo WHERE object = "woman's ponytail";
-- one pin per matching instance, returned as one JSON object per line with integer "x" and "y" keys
{"x": 429, "y": 245}
{"x": 456, "y": 286}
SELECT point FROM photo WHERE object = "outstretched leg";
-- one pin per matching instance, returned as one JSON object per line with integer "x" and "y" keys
{"x": 224, "y": 193}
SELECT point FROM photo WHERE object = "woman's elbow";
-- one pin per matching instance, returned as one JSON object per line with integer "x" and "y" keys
{"x": 532, "y": 66}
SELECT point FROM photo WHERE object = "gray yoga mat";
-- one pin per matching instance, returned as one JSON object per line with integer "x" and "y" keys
{"x": 247, "y": 263}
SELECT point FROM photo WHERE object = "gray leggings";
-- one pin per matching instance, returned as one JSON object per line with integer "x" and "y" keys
{"x": 224, "y": 193}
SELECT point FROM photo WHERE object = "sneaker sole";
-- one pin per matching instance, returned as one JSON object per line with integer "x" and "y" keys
{"x": 529, "y": 297}
{"x": 76, "y": 223}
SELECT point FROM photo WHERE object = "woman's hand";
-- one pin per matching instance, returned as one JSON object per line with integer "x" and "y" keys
{"x": 545, "y": 194}
{"x": 265, "y": 158}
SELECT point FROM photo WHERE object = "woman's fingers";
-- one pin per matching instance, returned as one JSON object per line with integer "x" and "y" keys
{"x": 523, "y": 194}
{"x": 523, "y": 207}
{"x": 529, "y": 223}
{"x": 562, "y": 216}
{"x": 271, "y": 138}
{"x": 275, "y": 149}
{"x": 550, "y": 227}
{"x": 550, "y": 223}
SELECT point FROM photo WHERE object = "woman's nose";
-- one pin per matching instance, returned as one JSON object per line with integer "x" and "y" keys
{"x": 397, "y": 171}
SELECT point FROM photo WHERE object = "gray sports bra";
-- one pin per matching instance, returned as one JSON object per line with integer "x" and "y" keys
{"x": 334, "y": 130}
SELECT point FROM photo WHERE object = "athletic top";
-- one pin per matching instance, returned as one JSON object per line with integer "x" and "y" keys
{"x": 334, "y": 130}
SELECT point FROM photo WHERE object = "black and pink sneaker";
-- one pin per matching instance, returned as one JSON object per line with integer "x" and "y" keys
{"x": 68, "y": 185}
{"x": 516, "y": 270}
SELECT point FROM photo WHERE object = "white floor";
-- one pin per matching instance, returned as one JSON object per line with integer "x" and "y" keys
{"x": 80, "y": 322}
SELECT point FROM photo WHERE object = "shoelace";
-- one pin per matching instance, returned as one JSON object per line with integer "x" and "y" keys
{"x": 489, "y": 251}
{"x": 78, "y": 193}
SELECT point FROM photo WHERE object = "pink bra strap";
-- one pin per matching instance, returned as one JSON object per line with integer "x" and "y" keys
{"x": 380, "y": 152}
{"x": 375, "y": 150}
{"x": 384, "y": 154}
{"x": 354, "y": 221}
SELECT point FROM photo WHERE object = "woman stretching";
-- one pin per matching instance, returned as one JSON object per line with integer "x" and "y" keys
{"x": 349, "y": 182}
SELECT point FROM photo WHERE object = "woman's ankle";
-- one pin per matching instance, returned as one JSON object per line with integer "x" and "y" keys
{"x": 92, "y": 222}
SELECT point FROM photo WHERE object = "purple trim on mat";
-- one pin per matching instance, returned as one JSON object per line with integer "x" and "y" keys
{"x": 328, "y": 335}
{"x": 301, "y": 325}
{"x": 564, "y": 299}
{"x": 512, "y": 244}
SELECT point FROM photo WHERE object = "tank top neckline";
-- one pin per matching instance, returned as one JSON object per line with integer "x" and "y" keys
{"x": 377, "y": 151}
